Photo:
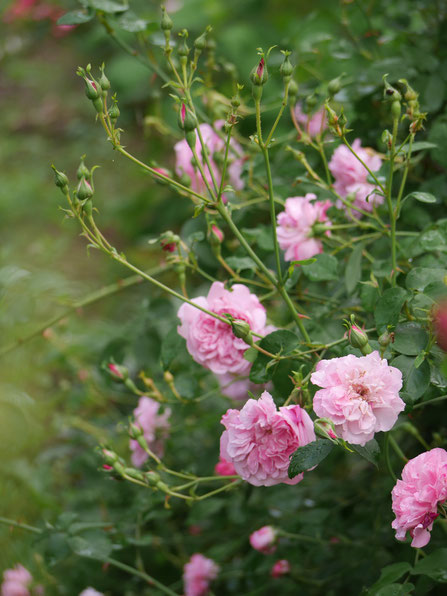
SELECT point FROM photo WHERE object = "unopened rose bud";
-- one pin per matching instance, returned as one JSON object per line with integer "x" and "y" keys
{"x": 168, "y": 246}
{"x": 83, "y": 171}
{"x": 334, "y": 86}
{"x": 286, "y": 68}
{"x": 114, "y": 112}
{"x": 110, "y": 457}
{"x": 183, "y": 48}
{"x": 259, "y": 75}
{"x": 84, "y": 190}
{"x": 396, "y": 109}
{"x": 135, "y": 474}
{"x": 91, "y": 89}
{"x": 200, "y": 42}
{"x": 217, "y": 233}
{"x": 60, "y": 179}
{"x": 242, "y": 330}
{"x": 281, "y": 567}
{"x": 104, "y": 82}
{"x": 390, "y": 93}
{"x": 293, "y": 91}
{"x": 387, "y": 138}
{"x": 166, "y": 21}
{"x": 264, "y": 539}
{"x": 186, "y": 119}
{"x": 358, "y": 337}
{"x": 134, "y": 431}
{"x": 152, "y": 478}
{"x": 324, "y": 427}
{"x": 118, "y": 372}
{"x": 385, "y": 339}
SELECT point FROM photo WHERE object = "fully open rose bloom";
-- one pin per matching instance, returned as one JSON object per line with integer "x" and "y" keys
{"x": 215, "y": 146}
{"x": 155, "y": 427}
{"x": 416, "y": 496}
{"x": 211, "y": 342}
{"x": 259, "y": 440}
{"x": 360, "y": 395}
{"x": 264, "y": 540}
{"x": 351, "y": 176}
{"x": 16, "y": 581}
{"x": 294, "y": 230}
{"x": 198, "y": 573}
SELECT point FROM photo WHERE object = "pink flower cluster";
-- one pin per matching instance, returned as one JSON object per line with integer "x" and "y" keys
{"x": 36, "y": 10}
{"x": 417, "y": 495}
{"x": 259, "y": 440}
{"x": 215, "y": 146}
{"x": 313, "y": 124}
{"x": 295, "y": 234}
{"x": 155, "y": 427}
{"x": 264, "y": 540}
{"x": 351, "y": 176}
{"x": 211, "y": 342}
{"x": 16, "y": 581}
{"x": 198, "y": 573}
{"x": 359, "y": 394}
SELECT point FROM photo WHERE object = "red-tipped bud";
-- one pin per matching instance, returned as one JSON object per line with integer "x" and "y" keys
{"x": 186, "y": 119}
{"x": 117, "y": 372}
{"x": 84, "y": 190}
{"x": 259, "y": 75}
{"x": 281, "y": 567}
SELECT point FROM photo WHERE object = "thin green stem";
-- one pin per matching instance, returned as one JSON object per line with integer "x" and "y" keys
{"x": 148, "y": 578}
{"x": 15, "y": 524}
{"x": 202, "y": 173}
{"x": 387, "y": 457}
{"x": 396, "y": 448}
{"x": 225, "y": 163}
{"x": 430, "y": 401}
{"x": 324, "y": 160}
{"x": 388, "y": 195}
{"x": 280, "y": 113}
{"x": 404, "y": 176}
{"x": 294, "y": 313}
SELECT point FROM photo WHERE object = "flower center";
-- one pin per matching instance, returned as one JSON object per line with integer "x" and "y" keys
{"x": 361, "y": 391}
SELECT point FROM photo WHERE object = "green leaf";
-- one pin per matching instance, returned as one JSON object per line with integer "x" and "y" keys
{"x": 415, "y": 380}
{"x": 433, "y": 565}
{"x": 388, "y": 307}
{"x": 279, "y": 342}
{"x": 370, "y": 451}
{"x": 76, "y": 17}
{"x": 251, "y": 354}
{"x": 240, "y": 263}
{"x": 396, "y": 590}
{"x": 422, "y": 197}
{"x": 353, "y": 271}
{"x": 410, "y": 339}
{"x": 93, "y": 545}
{"x": 418, "y": 146}
{"x": 369, "y": 296}
{"x": 389, "y": 575}
{"x": 130, "y": 22}
{"x": 171, "y": 345}
{"x": 108, "y": 6}
{"x": 419, "y": 277}
{"x": 432, "y": 240}
{"x": 325, "y": 268}
{"x": 308, "y": 456}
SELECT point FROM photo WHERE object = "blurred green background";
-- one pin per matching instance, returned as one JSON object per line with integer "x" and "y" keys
{"x": 55, "y": 403}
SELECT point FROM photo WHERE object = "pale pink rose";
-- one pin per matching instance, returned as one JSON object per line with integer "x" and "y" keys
{"x": 211, "y": 342}
{"x": 224, "y": 468}
{"x": 416, "y": 496}
{"x": 294, "y": 231}
{"x": 155, "y": 427}
{"x": 351, "y": 176}
{"x": 16, "y": 581}
{"x": 360, "y": 395}
{"x": 281, "y": 567}
{"x": 215, "y": 145}
{"x": 90, "y": 592}
{"x": 259, "y": 439}
{"x": 313, "y": 124}
{"x": 264, "y": 540}
{"x": 198, "y": 574}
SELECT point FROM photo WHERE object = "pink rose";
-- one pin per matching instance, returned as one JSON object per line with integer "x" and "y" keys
{"x": 237, "y": 388}
{"x": 16, "y": 581}
{"x": 351, "y": 176}
{"x": 264, "y": 540}
{"x": 313, "y": 124}
{"x": 417, "y": 495}
{"x": 281, "y": 567}
{"x": 155, "y": 429}
{"x": 294, "y": 231}
{"x": 198, "y": 574}
{"x": 224, "y": 468}
{"x": 211, "y": 342}
{"x": 215, "y": 145}
{"x": 360, "y": 395}
{"x": 259, "y": 440}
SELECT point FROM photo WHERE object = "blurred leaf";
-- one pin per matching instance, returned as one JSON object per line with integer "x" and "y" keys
{"x": 130, "y": 22}
{"x": 325, "y": 268}
{"x": 76, "y": 17}
{"x": 422, "y": 197}
{"x": 419, "y": 277}
{"x": 415, "y": 380}
{"x": 418, "y": 146}
{"x": 395, "y": 590}
{"x": 370, "y": 451}
{"x": 433, "y": 565}
{"x": 171, "y": 345}
{"x": 108, "y": 6}
{"x": 308, "y": 456}
{"x": 353, "y": 271}
{"x": 240, "y": 263}
{"x": 93, "y": 545}
{"x": 388, "y": 307}
{"x": 279, "y": 342}
{"x": 388, "y": 575}
{"x": 410, "y": 338}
